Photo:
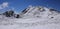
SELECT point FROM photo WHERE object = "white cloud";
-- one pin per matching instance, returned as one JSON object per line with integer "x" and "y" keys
{"x": 3, "y": 5}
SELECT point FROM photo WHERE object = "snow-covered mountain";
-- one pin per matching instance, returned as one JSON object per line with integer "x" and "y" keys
{"x": 33, "y": 17}
{"x": 42, "y": 12}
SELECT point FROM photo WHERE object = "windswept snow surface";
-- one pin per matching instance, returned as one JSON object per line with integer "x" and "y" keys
{"x": 40, "y": 20}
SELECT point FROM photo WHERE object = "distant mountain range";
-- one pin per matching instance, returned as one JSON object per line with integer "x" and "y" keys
{"x": 34, "y": 11}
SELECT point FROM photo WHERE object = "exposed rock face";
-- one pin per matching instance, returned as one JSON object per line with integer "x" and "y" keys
{"x": 8, "y": 13}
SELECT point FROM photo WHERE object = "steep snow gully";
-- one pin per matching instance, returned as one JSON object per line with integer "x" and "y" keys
{"x": 33, "y": 17}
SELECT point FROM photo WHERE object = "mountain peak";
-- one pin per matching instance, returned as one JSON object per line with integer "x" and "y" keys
{"x": 33, "y": 11}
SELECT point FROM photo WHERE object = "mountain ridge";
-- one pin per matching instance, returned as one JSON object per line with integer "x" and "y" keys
{"x": 35, "y": 11}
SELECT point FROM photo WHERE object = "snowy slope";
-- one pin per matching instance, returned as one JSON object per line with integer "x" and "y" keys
{"x": 39, "y": 11}
{"x": 37, "y": 17}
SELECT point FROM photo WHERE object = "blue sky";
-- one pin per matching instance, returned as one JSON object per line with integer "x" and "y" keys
{"x": 19, "y": 5}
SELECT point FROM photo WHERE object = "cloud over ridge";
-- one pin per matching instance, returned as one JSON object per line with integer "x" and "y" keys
{"x": 3, "y": 5}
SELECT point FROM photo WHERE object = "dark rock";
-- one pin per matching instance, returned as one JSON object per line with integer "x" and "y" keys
{"x": 17, "y": 16}
{"x": 52, "y": 17}
{"x": 8, "y": 13}
{"x": 24, "y": 11}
